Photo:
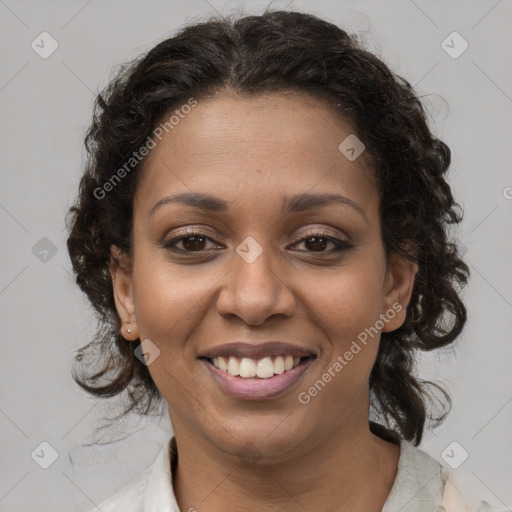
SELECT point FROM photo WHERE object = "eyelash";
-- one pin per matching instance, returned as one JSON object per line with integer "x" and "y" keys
{"x": 340, "y": 245}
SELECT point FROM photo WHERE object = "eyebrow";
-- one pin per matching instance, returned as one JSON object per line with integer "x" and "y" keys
{"x": 304, "y": 202}
{"x": 295, "y": 204}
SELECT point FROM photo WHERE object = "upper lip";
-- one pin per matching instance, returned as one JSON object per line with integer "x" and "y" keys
{"x": 257, "y": 350}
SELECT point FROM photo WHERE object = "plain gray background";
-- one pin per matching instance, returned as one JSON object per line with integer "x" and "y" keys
{"x": 46, "y": 106}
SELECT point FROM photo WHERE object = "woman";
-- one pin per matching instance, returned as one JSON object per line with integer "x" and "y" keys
{"x": 262, "y": 227}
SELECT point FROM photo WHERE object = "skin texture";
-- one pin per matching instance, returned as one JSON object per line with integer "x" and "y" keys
{"x": 277, "y": 454}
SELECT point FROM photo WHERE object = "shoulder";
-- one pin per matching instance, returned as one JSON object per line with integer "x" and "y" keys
{"x": 418, "y": 485}
{"x": 454, "y": 501}
{"x": 129, "y": 498}
{"x": 422, "y": 484}
{"x": 151, "y": 490}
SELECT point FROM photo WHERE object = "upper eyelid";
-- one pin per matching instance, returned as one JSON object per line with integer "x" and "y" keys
{"x": 188, "y": 232}
{"x": 195, "y": 232}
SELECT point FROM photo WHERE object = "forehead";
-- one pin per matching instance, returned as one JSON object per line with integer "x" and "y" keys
{"x": 267, "y": 146}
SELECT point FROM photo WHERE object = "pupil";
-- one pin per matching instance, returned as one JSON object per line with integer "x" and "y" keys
{"x": 197, "y": 242}
{"x": 318, "y": 243}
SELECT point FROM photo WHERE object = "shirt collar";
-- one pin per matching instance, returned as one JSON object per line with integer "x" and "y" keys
{"x": 159, "y": 496}
{"x": 418, "y": 484}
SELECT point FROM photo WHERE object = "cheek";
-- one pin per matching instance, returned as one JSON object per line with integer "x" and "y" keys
{"x": 169, "y": 299}
{"x": 344, "y": 309}
{"x": 169, "y": 306}
{"x": 345, "y": 306}
{"x": 346, "y": 302}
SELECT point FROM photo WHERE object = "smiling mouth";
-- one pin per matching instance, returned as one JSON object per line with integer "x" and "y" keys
{"x": 263, "y": 368}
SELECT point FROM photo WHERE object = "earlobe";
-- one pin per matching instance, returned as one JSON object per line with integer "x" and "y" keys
{"x": 119, "y": 268}
{"x": 398, "y": 290}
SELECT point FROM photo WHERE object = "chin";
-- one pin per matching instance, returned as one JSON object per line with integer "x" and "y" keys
{"x": 258, "y": 443}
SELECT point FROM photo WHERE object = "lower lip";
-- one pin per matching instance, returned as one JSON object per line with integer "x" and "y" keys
{"x": 255, "y": 388}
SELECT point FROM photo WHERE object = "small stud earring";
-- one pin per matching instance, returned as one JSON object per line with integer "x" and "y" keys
{"x": 128, "y": 331}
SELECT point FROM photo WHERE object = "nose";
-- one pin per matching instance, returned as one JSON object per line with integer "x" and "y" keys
{"x": 254, "y": 292}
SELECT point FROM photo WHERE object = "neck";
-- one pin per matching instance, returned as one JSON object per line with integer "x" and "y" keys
{"x": 349, "y": 469}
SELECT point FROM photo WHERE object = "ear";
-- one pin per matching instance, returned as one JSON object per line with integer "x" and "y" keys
{"x": 398, "y": 288}
{"x": 120, "y": 272}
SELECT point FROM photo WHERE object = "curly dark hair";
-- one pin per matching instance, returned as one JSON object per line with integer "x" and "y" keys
{"x": 277, "y": 51}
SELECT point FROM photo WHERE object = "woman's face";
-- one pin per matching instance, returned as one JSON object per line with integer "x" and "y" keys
{"x": 269, "y": 257}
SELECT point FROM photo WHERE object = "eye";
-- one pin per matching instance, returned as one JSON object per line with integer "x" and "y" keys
{"x": 317, "y": 240}
{"x": 191, "y": 241}
{"x": 195, "y": 241}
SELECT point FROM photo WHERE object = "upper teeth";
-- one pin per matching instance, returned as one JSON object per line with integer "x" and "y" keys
{"x": 263, "y": 368}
